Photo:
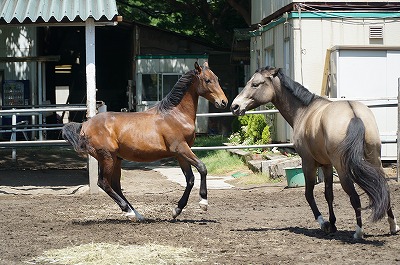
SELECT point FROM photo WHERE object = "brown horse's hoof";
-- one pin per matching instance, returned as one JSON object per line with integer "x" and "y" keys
{"x": 134, "y": 216}
{"x": 328, "y": 228}
{"x": 203, "y": 204}
{"x": 175, "y": 212}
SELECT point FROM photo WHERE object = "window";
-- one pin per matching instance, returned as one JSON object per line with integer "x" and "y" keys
{"x": 269, "y": 56}
{"x": 156, "y": 86}
{"x": 150, "y": 87}
{"x": 168, "y": 82}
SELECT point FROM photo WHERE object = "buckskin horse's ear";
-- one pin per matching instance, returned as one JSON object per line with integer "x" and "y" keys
{"x": 274, "y": 71}
{"x": 197, "y": 67}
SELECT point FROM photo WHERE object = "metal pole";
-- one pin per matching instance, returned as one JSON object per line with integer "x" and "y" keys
{"x": 91, "y": 94}
{"x": 398, "y": 129}
{"x": 14, "y": 137}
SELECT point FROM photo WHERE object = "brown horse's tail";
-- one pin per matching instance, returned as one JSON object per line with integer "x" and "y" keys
{"x": 71, "y": 132}
{"x": 369, "y": 177}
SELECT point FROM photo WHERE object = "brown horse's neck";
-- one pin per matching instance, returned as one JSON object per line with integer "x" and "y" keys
{"x": 189, "y": 102}
{"x": 288, "y": 105}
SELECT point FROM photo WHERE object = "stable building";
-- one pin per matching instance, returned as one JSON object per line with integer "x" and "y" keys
{"x": 338, "y": 49}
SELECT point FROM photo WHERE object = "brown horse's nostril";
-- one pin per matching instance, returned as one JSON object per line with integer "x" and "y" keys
{"x": 224, "y": 104}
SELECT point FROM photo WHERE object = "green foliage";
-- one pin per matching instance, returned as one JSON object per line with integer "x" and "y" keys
{"x": 250, "y": 129}
{"x": 213, "y": 20}
{"x": 266, "y": 135}
{"x": 255, "y": 127}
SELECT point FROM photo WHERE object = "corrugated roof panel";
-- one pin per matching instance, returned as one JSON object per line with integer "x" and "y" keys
{"x": 57, "y": 9}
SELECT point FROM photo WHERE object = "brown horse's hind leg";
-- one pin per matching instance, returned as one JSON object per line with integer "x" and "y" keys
{"x": 329, "y": 227}
{"x": 109, "y": 178}
{"x": 116, "y": 186}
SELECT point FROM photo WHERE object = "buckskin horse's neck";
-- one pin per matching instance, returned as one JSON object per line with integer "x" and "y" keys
{"x": 288, "y": 105}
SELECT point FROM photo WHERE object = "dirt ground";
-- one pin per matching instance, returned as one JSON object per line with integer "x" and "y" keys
{"x": 269, "y": 224}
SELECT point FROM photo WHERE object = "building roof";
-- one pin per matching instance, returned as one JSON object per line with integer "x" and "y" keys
{"x": 39, "y": 11}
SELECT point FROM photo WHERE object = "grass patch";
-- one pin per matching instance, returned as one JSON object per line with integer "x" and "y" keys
{"x": 218, "y": 162}
{"x": 221, "y": 162}
{"x": 253, "y": 179}
{"x": 111, "y": 254}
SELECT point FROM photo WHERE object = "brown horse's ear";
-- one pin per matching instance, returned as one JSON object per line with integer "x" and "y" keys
{"x": 197, "y": 67}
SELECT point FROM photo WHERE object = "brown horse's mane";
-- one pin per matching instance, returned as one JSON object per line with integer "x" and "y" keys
{"x": 298, "y": 90}
{"x": 176, "y": 94}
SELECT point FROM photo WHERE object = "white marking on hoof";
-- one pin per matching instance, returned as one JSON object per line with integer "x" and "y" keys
{"x": 394, "y": 228}
{"x": 133, "y": 214}
{"x": 359, "y": 233}
{"x": 176, "y": 212}
{"x": 203, "y": 204}
{"x": 321, "y": 221}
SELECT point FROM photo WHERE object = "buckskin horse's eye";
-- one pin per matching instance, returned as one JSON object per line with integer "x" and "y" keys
{"x": 256, "y": 84}
{"x": 208, "y": 81}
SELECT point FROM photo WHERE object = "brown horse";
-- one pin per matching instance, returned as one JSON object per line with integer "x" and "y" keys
{"x": 166, "y": 130}
{"x": 341, "y": 134}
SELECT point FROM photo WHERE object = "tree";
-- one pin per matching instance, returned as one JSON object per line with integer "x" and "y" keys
{"x": 213, "y": 20}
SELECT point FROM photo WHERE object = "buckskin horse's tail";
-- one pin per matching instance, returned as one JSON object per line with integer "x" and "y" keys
{"x": 369, "y": 177}
{"x": 71, "y": 132}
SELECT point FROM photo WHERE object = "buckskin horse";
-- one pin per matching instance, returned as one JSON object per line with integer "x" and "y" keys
{"x": 327, "y": 134}
{"x": 165, "y": 130}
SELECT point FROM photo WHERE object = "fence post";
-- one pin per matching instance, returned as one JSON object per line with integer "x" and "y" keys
{"x": 398, "y": 129}
{"x": 91, "y": 94}
{"x": 14, "y": 136}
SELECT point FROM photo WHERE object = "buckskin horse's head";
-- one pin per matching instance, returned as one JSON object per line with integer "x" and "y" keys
{"x": 259, "y": 90}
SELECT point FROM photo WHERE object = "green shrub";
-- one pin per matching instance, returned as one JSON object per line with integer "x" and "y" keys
{"x": 266, "y": 135}
{"x": 250, "y": 129}
{"x": 255, "y": 127}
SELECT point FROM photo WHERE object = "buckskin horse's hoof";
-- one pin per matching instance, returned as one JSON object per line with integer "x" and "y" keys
{"x": 175, "y": 212}
{"x": 328, "y": 228}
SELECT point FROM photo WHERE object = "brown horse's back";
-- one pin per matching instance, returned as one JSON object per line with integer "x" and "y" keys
{"x": 132, "y": 136}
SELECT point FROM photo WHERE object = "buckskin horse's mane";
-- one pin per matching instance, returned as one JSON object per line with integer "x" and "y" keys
{"x": 299, "y": 91}
{"x": 176, "y": 94}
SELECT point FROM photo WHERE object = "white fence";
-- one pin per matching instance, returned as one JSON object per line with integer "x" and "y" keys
{"x": 39, "y": 111}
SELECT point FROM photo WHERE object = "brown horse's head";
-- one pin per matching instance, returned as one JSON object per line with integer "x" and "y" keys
{"x": 259, "y": 90}
{"x": 209, "y": 87}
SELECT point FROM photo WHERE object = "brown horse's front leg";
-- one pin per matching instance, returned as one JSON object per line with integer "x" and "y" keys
{"x": 186, "y": 161}
{"x": 187, "y": 171}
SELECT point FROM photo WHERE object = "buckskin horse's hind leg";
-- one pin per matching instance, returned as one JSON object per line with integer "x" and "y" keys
{"x": 348, "y": 187}
{"x": 329, "y": 227}
{"x": 110, "y": 167}
{"x": 394, "y": 228}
